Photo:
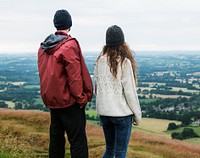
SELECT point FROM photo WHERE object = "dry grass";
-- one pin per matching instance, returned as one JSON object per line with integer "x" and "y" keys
{"x": 163, "y": 146}
{"x": 25, "y": 134}
{"x": 155, "y": 126}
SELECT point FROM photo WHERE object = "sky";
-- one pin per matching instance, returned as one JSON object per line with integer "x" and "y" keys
{"x": 148, "y": 25}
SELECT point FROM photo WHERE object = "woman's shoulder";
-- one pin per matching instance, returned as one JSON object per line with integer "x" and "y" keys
{"x": 126, "y": 62}
{"x": 101, "y": 58}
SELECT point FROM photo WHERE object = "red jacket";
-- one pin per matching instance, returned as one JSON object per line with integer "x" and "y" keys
{"x": 64, "y": 77}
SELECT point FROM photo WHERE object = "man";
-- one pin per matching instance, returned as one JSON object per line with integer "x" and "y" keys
{"x": 66, "y": 87}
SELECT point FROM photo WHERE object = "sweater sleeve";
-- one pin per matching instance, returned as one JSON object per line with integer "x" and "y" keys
{"x": 73, "y": 70}
{"x": 129, "y": 89}
{"x": 95, "y": 82}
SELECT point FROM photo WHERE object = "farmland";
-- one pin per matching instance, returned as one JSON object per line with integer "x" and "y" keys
{"x": 168, "y": 90}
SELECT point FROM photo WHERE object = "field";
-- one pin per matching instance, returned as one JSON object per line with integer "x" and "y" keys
{"x": 191, "y": 140}
{"x": 25, "y": 134}
{"x": 148, "y": 100}
{"x": 169, "y": 96}
{"x": 10, "y": 104}
{"x": 155, "y": 126}
{"x": 184, "y": 90}
{"x": 32, "y": 86}
{"x": 38, "y": 101}
{"x": 18, "y": 83}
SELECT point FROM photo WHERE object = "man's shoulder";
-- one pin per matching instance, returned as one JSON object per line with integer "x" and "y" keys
{"x": 71, "y": 41}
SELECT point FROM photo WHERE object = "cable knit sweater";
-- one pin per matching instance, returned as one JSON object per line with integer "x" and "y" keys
{"x": 116, "y": 96}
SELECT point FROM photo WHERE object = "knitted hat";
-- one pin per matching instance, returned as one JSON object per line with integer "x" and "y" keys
{"x": 114, "y": 36}
{"x": 62, "y": 20}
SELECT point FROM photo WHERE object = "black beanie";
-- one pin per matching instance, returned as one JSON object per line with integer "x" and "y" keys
{"x": 114, "y": 36}
{"x": 62, "y": 20}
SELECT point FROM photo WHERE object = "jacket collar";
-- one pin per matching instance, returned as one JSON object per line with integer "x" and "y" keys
{"x": 61, "y": 33}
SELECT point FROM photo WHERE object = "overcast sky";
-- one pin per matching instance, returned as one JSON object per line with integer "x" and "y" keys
{"x": 147, "y": 24}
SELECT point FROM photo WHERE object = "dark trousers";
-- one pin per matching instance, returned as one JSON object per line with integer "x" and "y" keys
{"x": 117, "y": 131}
{"x": 72, "y": 121}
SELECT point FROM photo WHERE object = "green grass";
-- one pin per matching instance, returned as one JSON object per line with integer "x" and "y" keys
{"x": 91, "y": 113}
{"x": 196, "y": 85}
{"x": 195, "y": 128}
{"x": 148, "y": 100}
{"x": 32, "y": 86}
{"x": 193, "y": 140}
{"x": 154, "y": 83}
{"x": 38, "y": 101}
{"x": 5, "y": 155}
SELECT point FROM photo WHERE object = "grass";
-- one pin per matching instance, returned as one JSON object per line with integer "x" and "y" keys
{"x": 5, "y": 155}
{"x": 191, "y": 140}
{"x": 10, "y": 104}
{"x": 184, "y": 90}
{"x": 154, "y": 83}
{"x": 25, "y": 134}
{"x": 18, "y": 83}
{"x": 195, "y": 128}
{"x": 148, "y": 100}
{"x": 150, "y": 125}
{"x": 155, "y": 126}
{"x": 91, "y": 113}
{"x": 196, "y": 85}
{"x": 32, "y": 86}
{"x": 38, "y": 101}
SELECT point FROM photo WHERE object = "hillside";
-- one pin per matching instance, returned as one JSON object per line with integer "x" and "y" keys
{"x": 25, "y": 134}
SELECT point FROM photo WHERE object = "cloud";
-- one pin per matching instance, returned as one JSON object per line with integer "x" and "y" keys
{"x": 147, "y": 24}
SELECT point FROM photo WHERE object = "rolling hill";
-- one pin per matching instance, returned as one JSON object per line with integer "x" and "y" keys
{"x": 25, "y": 134}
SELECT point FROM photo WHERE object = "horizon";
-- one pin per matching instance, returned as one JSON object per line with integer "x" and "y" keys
{"x": 145, "y": 52}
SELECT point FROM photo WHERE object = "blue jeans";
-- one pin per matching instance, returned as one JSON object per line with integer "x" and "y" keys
{"x": 117, "y": 131}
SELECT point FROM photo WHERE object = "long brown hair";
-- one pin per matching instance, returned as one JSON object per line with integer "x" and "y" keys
{"x": 114, "y": 53}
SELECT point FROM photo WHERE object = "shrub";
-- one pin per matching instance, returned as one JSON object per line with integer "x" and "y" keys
{"x": 177, "y": 135}
{"x": 188, "y": 133}
{"x": 172, "y": 126}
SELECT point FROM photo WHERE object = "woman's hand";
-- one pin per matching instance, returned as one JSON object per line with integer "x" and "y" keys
{"x": 135, "y": 123}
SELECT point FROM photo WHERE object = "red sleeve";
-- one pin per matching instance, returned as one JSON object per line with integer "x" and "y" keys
{"x": 73, "y": 70}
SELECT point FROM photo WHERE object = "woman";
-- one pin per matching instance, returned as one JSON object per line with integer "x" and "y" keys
{"x": 116, "y": 96}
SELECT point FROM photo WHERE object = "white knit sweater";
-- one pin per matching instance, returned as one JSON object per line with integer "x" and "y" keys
{"x": 116, "y": 97}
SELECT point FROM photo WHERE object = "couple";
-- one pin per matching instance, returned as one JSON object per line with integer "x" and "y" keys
{"x": 66, "y": 87}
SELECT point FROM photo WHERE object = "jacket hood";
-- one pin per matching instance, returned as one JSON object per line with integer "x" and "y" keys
{"x": 51, "y": 41}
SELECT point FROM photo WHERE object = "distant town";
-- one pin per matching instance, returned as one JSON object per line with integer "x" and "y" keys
{"x": 168, "y": 84}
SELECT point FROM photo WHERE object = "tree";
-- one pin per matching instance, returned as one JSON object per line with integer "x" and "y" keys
{"x": 18, "y": 105}
{"x": 172, "y": 126}
{"x": 3, "y": 104}
{"x": 172, "y": 115}
{"x": 188, "y": 133}
{"x": 186, "y": 119}
{"x": 176, "y": 135}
